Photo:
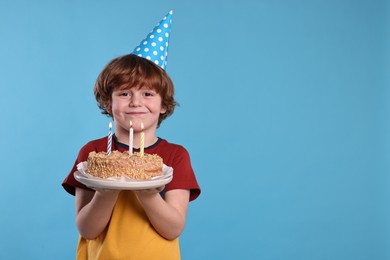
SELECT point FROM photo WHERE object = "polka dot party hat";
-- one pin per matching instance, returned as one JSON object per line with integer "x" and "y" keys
{"x": 155, "y": 46}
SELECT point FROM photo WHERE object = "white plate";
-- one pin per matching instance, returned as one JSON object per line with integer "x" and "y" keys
{"x": 122, "y": 183}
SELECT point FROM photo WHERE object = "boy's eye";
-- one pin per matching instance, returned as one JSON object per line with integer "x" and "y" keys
{"x": 125, "y": 94}
{"x": 149, "y": 93}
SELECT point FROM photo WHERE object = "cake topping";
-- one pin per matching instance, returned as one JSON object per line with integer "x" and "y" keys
{"x": 120, "y": 164}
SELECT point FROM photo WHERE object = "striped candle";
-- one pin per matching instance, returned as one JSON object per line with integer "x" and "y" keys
{"x": 109, "y": 141}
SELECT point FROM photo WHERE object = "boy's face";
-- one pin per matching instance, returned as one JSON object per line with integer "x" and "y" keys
{"x": 136, "y": 105}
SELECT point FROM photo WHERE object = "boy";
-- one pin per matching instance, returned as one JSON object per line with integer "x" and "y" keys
{"x": 141, "y": 224}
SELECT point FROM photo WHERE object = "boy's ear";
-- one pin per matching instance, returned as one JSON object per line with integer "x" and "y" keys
{"x": 163, "y": 110}
{"x": 109, "y": 109}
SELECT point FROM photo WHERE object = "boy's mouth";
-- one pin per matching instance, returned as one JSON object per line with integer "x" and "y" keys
{"x": 135, "y": 113}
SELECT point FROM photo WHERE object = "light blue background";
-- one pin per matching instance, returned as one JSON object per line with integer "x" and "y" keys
{"x": 284, "y": 110}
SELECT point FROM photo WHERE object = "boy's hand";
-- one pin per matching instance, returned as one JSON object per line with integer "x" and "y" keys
{"x": 106, "y": 192}
{"x": 147, "y": 192}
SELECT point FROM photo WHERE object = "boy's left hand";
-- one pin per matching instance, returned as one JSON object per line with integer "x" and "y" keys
{"x": 150, "y": 191}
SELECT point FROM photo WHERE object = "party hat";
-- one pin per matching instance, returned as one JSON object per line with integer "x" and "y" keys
{"x": 155, "y": 46}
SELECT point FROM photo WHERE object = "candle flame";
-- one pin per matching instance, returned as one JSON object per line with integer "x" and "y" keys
{"x": 142, "y": 125}
{"x": 110, "y": 125}
{"x": 131, "y": 123}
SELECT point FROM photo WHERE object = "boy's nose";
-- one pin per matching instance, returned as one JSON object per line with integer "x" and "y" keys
{"x": 135, "y": 101}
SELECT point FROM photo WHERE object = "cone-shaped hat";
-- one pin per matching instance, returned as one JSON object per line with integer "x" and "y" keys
{"x": 155, "y": 46}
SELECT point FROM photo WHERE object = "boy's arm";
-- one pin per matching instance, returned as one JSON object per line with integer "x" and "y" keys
{"x": 93, "y": 211}
{"x": 167, "y": 216}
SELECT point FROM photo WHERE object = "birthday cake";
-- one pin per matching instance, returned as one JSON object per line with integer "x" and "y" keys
{"x": 117, "y": 164}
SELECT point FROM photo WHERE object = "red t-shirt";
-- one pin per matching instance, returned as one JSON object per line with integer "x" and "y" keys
{"x": 173, "y": 155}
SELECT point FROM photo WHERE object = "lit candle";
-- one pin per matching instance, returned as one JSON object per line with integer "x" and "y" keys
{"x": 109, "y": 141}
{"x": 142, "y": 140}
{"x": 131, "y": 133}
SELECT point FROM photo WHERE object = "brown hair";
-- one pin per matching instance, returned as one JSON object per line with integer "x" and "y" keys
{"x": 130, "y": 71}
